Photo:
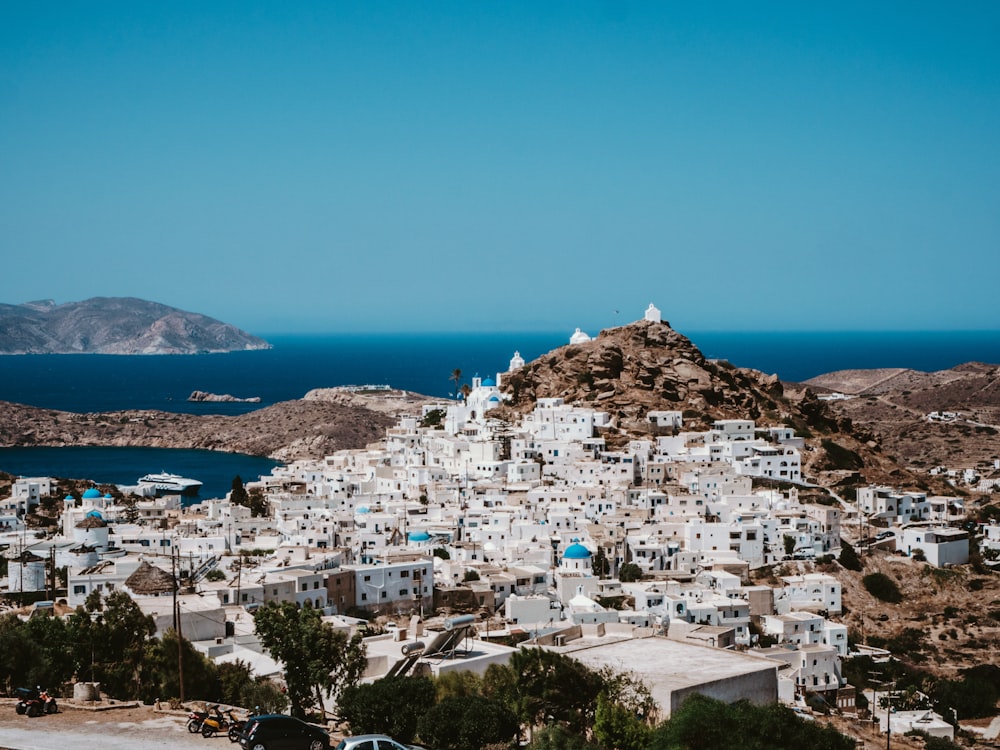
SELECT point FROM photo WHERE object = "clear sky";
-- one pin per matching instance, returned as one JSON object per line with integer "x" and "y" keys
{"x": 428, "y": 166}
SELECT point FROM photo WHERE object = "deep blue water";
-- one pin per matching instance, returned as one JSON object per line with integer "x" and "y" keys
{"x": 421, "y": 363}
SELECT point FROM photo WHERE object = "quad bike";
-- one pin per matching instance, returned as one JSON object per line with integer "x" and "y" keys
{"x": 35, "y": 702}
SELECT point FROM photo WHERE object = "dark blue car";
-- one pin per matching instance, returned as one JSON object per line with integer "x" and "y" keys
{"x": 280, "y": 732}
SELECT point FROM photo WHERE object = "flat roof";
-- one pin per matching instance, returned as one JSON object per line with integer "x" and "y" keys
{"x": 666, "y": 665}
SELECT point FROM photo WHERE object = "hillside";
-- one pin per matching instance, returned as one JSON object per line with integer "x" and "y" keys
{"x": 647, "y": 366}
{"x": 285, "y": 431}
{"x": 894, "y": 406}
{"x": 115, "y": 325}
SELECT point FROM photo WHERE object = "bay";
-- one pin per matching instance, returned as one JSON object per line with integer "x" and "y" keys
{"x": 215, "y": 470}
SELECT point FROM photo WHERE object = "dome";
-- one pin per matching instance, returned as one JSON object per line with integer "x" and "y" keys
{"x": 489, "y": 383}
{"x": 94, "y": 514}
{"x": 107, "y": 496}
{"x": 69, "y": 499}
{"x": 579, "y": 337}
{"x": 493, "y": 400}
{"x": 418, "y": 536}
{"x": 363, "y": 509}
{"x": 91, "y": 494}
{"x": 576, "y": 551}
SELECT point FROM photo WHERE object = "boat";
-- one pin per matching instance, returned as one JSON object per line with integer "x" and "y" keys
{"x": 170, "y": 484}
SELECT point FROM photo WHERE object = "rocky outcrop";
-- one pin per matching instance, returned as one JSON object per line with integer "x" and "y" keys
{"x": 116, "y": 325}
{"x": 285, "y": 431}
{"x": 222, "y": 398}
{"x": 642, "y": 367}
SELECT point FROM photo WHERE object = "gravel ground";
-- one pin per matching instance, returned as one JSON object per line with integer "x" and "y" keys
{"x": 112, "y": 729}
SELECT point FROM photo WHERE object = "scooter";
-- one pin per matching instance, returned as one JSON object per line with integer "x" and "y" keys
{"x": 236, "y": 727}
{"x": 216, "y": 722}
{"x": 195, "y": 720}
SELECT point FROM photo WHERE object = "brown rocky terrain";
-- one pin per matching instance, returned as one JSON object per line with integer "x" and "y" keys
{"x": 894, "y": 406}
{"x": 285, "y": 431}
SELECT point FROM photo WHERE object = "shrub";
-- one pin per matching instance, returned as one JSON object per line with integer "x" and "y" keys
{"x": 882, "y": 588}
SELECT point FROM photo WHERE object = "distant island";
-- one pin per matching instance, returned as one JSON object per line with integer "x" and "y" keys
{"x": 222, "y": 398}
{"x": 116, "y": 325}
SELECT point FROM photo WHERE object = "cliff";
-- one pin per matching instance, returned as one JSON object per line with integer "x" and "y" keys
{"x": 115, "y": 325}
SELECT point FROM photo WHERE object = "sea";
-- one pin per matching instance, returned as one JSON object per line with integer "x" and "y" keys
{"x": 422, "y": 363}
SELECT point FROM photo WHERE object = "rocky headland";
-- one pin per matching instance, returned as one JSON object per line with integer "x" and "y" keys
{"x": 221, "y": 398}
{"x": 116, "y": 325}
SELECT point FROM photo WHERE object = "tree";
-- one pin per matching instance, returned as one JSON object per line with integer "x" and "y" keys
{"x": 257, "y": 502}
{"x": 615, "y": 726}
{"x": 318, "y": 660}
{"x": 882, "y": 587}
{"x": 392, "y": 706}
{"x": 532, "y": 684}
{"x": 703, "y": 723}
{"x": 238, "y": 495}
{"x": 469, "y": 722}
{"x": 109, "y": 638}
{"x": 557, "y": 737}
{"x": 456, "y": 378}
{"x": 130, "y": 508}
{"x": 849, "y": 557}
{"x": 160, "y": 673}
{"x": 600, "y": 566}
{"x": 789, "y": 541}
{"x": 629, "y": 572}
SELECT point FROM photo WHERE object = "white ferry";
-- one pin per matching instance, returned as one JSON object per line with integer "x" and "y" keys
{"x": 170, "y": 484}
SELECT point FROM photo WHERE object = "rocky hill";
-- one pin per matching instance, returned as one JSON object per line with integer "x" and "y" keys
{"x": 648, "y": 366}
{"x": 285, "y": 431}
{"x": 925, "y": 419}
{"x": 115, "y": 325}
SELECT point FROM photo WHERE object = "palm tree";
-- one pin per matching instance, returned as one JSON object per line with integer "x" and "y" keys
{"x": 456, "y": 375}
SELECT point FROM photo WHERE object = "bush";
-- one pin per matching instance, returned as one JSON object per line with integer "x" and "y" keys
{"x": 882, "y": 588}
{"x": 849, "y": 557}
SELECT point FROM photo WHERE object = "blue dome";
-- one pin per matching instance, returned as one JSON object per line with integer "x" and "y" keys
{"x": 70, "y": 498}
{"x": 363, "y": 509}
{"x": 91, "y": 494}
{"x": 576, "y": 551}
{"x": 107, "y": 496}
{"x": 488, "y": 383}
{"x": 95, "y": 514}
{"x": 418, "y": 536}
{"x": 493, "y": 400}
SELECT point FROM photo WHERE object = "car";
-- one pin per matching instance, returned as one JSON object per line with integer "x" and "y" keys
{"x": 373, "y": 742}
{"x": 280, "y": 732}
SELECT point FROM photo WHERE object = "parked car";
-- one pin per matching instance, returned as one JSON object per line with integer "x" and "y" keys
{"x": 373, "y": 742}
{"x": 280, "y": 732}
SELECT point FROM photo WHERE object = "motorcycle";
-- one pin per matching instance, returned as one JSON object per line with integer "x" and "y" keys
{"x": 236, "y": 727}
{"x": 195, "y": 720}
{"x": 216, "y": 722}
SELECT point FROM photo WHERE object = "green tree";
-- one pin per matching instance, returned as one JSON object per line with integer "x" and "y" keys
{"x": 468, "y": 722}
{"x": 532, "y": 684}
{"x": 600, "y": 565}
{"x": 258, "y": 503}
{"x": 238, "y": 495}
{"x": 849, "y": 557}
{"x": 703, "y": 723}
{"x": 616, "y": 727}
{"x": 392, "y": 706}
{"x": 882, "y": 587}
{"x": 130, "y": 508}
{"x": 456, "y": 378}
{"x": 457, "y": 684}
{"x": 36, "y": 652}
{"x": 109, "y": 638}
{"x": 629, "y": 572}
{"x": 789, "y": 541}
{"x": 239, "y": 687}
{"x": 317, "y": 658}
{"x": 160, "y": 675}
{"x": 558, "y": 737}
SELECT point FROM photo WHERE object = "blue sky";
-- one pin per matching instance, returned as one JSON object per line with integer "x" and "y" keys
{"x": 485, "y": 166}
